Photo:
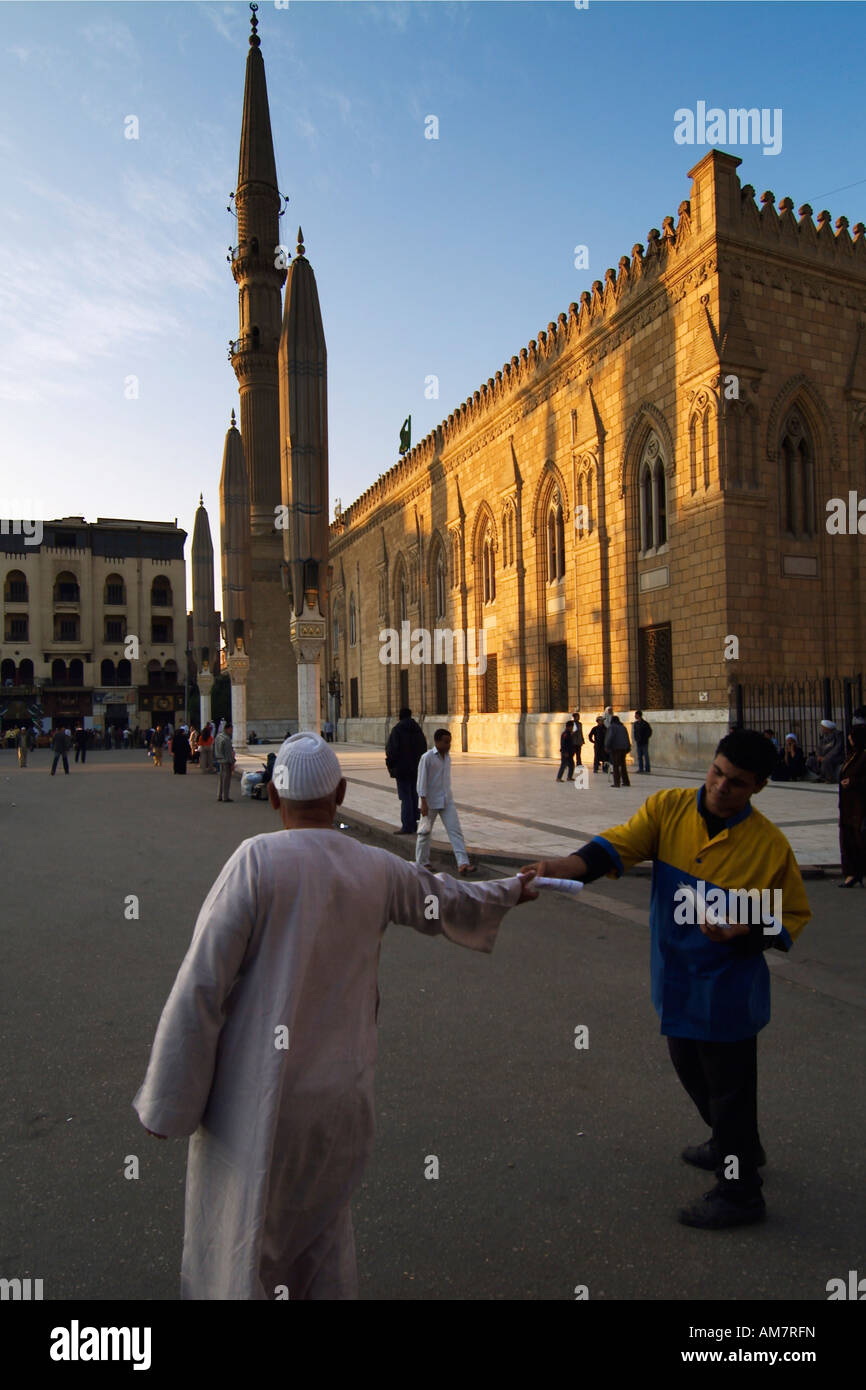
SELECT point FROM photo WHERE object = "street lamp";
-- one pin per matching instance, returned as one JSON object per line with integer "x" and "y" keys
{"x": 335, "y": 690}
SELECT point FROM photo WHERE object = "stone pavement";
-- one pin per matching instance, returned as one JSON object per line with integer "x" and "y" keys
{"x": 513, "y": 810}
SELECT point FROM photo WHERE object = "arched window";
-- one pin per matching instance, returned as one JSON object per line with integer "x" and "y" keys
{"x": 455, "y": 559}
{"x": 403, "y": 597}
{"x": 124, "y": 672}
{"x": 66, "y": 588}
{"x": 652, "y": 488}
{"x": 25, "y": 672}
{"x": 441, "y": 582}
{"x": 555, "y": 539}
{"x": 58, "y": 672}
{"x": 160, "y": 593}
{"x": 115, "y": 590}
{"x": 107, "y": 673}
{"x": 154, "y": 674}
{"x": 170, "y": 674}
{"x": 353, "y": 621}
{"x": 488, "y": 567}
{"x": 798, "y": 478}
{"x": 15, "y": 589}
{"x": 76, "y": 671}
{"x": 7, "y": 671}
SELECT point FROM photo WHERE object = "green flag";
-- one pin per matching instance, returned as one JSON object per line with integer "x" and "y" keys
{"x": 406, "y": 435}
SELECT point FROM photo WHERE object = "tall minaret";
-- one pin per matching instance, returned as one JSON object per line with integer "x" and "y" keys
{"x": 235, "y": 548}
{"x": 203, "y": 616}
{"x": 254, "y": 354}
{"x": 258, "y": 269}
{"x": 304, "y": 440}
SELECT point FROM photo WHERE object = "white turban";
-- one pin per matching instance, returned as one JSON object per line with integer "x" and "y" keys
{"x": 306, "y": 768}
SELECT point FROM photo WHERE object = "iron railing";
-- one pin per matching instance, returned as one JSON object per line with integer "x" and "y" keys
{"x": 797, "y": 706}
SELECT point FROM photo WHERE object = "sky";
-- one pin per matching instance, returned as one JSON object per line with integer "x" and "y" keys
{"x": 436, "y": 259}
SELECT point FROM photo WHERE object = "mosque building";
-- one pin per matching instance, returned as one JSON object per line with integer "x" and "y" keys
{"x": 654, "y": 504}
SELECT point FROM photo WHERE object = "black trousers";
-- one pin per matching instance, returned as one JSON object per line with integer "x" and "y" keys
{"x": 722, "y": 1080}
{"x": 408, "y": 803}
{"x": 566, "y": 762}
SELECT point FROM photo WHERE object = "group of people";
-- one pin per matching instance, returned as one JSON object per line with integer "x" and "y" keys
{"x": 287, "y": 945}
{"x": 610, "y": 744}
{"x": 213, "y": 751}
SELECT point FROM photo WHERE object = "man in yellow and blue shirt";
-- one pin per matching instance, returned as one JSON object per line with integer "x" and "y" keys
{"x": 710, "y": 982}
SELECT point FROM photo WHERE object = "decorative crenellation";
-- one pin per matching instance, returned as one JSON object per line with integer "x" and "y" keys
{"x": 645, "y": 266}
{"x": 814, "y": 239}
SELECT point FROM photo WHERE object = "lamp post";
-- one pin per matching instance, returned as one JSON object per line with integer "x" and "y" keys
{"x": 335, "y": 690}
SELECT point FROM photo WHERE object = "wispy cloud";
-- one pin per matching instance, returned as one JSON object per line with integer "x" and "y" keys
{"x": 224, "y": 20}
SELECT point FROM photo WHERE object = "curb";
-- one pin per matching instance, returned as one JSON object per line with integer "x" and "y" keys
{"x": 441, "y": 853}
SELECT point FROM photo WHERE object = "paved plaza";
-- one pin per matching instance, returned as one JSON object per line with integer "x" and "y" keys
{"x": 558, "y": 1167}
{"x": 512, "y": 808}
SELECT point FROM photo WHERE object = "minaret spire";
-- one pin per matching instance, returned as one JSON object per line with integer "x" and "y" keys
{"x": 259, "y": 279}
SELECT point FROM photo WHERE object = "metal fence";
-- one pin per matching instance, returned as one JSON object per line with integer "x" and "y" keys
{"x": 797, "y": 707}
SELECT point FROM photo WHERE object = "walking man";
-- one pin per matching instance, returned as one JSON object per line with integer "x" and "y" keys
{"x": 710, "y": 982}
{"x": 225, "y": 754}
{"x": 566, "y": 752}
{"x": 81, "y": 744}
{"x": 60, "y": 745}
{"x": 434, "y": 792}
{"x": 577, "y": 739}
{"x": 404, "y": 750}
{"x": 617, "y": 744}
{"x": 23, "y": 746}
{"x": 596, "y": 737}
{"x": 641, "y": 733}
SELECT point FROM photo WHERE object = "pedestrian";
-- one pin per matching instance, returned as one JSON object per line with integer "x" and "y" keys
{"x": 23, "y": 746}
{"x": 566, "y": 752}
{"x": 226, "y": 756}
{"x": 125, "y": 736}
{"x": 434, "y": 793}
{"x": 81, "y": 744}
{"x": 577, "y": 739}
{"x": 710, "y": 982}
{"x": 596, "y": 738}
{"x": 831, "y": 750}
{"x": 265, "y": 1051}
{"x": 617, "y": 744}
{"x": 404, "y": 750}
{"x": 180, "y": 751}
{"x": 205, "y": 749}
{"x": 641, "y": 733}
{"x": 852, "y": 809}
{"x": 156, "y": 745}
{"x": 60, "y": 744}
{"x": 329, "y": 731}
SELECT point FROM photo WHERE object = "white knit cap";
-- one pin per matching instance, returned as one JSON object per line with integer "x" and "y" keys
{"x": 827, "y": 724}
{"x": 306, "y": 768}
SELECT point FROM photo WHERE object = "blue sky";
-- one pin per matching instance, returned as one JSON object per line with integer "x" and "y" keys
{"x": 433, "y": 257}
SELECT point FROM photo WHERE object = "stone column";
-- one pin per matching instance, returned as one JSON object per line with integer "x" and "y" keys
{"x": 238, "y": 667}
{"x": 307, "y": 636}
{"x": 205, "y": 686}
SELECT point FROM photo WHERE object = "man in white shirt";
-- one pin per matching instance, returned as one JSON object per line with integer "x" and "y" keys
{"x": 434, "y": 796}
{"x": 266, "y": 1050}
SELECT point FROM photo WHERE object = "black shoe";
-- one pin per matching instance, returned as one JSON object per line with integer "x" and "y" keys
{"x": 850, "y": 883}
{"x": 706, "y": 1156}
{"x": 714, "y": 1212}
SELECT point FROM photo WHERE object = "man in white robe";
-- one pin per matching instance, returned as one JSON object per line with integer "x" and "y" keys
{"x": 266, "y": 1048}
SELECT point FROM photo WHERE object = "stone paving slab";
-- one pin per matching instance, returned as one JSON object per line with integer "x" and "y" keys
{"x": 514, "y": 808}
